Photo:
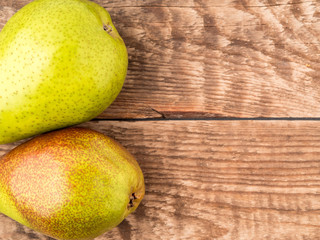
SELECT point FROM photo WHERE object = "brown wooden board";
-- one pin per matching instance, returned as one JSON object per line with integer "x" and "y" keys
{"x": 222, "y": 58}
{"x": 216, "y": 180}
{"x": 207, "y": 59}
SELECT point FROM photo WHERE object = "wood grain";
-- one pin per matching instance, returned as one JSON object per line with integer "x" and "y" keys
{"x": 217, "y": 180}
{"x": 203, "y": 59}
{"x": 223, "y": 58}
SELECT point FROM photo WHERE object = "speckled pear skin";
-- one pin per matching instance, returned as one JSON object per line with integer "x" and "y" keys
{"x": 73, "y": 183}
{"x": 62, "y": 62}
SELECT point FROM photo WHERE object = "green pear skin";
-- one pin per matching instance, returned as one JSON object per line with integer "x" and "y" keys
{"x": 62, "y": 62}
{"x": 70, "y": 184}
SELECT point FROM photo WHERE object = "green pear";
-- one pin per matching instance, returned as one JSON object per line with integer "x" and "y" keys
{"x": 73, "y": 183}
{"x": 62, "y": 62}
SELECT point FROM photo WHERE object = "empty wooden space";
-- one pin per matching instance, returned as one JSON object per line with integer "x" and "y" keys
{"x": 198, "y": 69}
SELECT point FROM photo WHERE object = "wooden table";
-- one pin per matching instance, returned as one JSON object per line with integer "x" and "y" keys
{"x": 221, "y": 107}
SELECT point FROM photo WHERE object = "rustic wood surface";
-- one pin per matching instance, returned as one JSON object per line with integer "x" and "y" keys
{"x": 216, "y": 180}
{"x": 216, "y": 58}
{"x": 210, "y": 61}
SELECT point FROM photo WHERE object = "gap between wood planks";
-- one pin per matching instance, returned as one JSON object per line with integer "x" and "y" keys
{"x": 209, "y": 119}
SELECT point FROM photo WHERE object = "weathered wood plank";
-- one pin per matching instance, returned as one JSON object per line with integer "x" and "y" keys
{"x": 217, "y": 180}
{"x": 217, "y": 58}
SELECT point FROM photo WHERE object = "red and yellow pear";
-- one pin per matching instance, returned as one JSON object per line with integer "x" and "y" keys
{"x": 70, "y": 184}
